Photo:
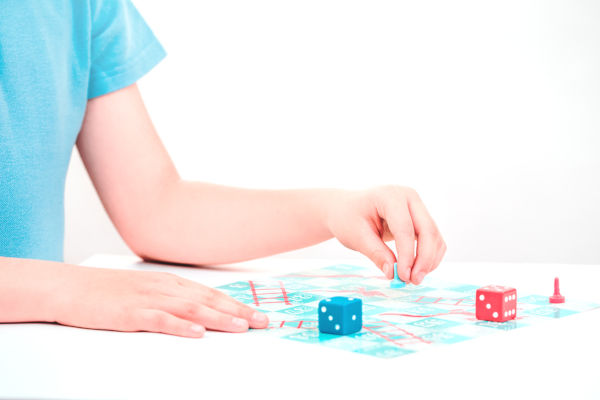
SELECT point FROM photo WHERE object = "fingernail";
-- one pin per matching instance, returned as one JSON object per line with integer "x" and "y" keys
{"x": 259, "y": 318}
{"x": 197, "y": 328}
{"x": 240, "y": 323}
{"x": 420, "y": 277}
{"x": 386, "y": 269}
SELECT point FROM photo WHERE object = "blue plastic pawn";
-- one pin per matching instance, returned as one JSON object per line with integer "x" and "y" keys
{"x": 396, "y": 283}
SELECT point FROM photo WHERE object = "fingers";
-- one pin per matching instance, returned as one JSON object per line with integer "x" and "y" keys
{"x": 430, "y": 245}
{"x": 439, "y": 256}
{"x": 221, "y": 302}
{"x": 401, "y": 226}
{"x": 375, "y": 248}
{"x": 407, "y": 219}
{"x": 426, "y": 254}
{"x": 163, "y": 322}
{"x": 202, "y": 314}
{"x": 226, "y": 304}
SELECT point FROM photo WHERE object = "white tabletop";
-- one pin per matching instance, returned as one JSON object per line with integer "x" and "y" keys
{"x": 557, "y": 359}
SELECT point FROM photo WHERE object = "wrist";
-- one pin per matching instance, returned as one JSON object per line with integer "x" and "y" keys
{"x": 56, "y": 292}
{"x": 331, "y": 201}
{"x": 29, "y": 289}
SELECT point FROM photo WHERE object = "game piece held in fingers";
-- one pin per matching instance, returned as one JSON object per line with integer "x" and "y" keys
{"x": 340, "y": 315}
{"x": 496, "y": 303}
{"x": 397, "y": 283}
{"x": 557, "y": 297}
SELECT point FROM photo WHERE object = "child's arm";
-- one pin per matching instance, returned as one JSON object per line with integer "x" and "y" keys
{"x": 164, "y": 218}
{"x": 44, "y": 291}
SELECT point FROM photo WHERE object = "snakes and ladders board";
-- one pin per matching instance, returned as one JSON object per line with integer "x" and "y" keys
{"x": 396, "y": 322}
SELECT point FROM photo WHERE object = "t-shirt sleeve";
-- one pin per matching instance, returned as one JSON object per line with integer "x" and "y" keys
{"x": 123, "y": 48}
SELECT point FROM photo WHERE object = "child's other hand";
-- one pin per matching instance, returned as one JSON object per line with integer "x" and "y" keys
{"x": 148, "y": 301}
{"x": 364, "y": 220}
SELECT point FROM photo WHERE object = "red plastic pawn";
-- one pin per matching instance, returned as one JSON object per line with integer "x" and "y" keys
{"x": 557, "y": 297}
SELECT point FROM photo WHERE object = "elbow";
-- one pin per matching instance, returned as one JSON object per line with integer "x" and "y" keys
{"x": 139, "y": 236}
{"x": 147, "y": 230}
{"x": 143, "y": 245}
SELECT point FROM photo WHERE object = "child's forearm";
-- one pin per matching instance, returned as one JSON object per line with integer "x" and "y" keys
{"x": 202, "y": 223}
{"x": 161, "y": 217}
{"x": 28, "y": 289}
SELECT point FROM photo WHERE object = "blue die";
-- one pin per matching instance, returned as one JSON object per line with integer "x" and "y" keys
{"x": 340, "y": 315}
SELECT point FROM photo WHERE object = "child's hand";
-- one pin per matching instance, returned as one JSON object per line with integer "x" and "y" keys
{"x": 364, "y": 220}
{"x": 148, "y": 301}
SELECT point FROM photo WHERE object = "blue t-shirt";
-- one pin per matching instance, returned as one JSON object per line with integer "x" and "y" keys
{"x": 54, "y": 56}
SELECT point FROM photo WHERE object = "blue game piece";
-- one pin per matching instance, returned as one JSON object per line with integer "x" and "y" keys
{"x": 340, "y": 315}
{"x": 397, "y": 283}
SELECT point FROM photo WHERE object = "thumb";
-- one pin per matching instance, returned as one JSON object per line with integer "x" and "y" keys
{"x": 372, "y": 246}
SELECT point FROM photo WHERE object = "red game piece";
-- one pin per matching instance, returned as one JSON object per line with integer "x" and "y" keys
{"x": 557, "y": 297}
{"x": 496, "y": 303}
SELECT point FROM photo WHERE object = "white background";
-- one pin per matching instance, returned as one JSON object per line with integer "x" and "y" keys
{"x": 490, "y": 110}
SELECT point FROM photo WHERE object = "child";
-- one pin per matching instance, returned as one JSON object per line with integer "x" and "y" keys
{"x": 67, "y": 76}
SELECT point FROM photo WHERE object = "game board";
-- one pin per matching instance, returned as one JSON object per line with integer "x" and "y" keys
{"x": 396, "y": 322}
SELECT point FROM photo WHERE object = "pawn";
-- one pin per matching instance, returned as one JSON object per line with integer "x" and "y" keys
{"x": 557, "y": 298}
{"x": 397, "y": 283}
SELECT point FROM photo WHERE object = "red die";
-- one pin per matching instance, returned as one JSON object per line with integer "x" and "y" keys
{"x": 496, "y": 303}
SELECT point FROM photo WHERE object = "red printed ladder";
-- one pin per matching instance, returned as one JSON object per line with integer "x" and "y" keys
{"x": 279, "y": 294}
{"x": 394, "y": 334}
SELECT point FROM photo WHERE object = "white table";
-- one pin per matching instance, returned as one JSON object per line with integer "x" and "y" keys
{"x": 558, "y": 359}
